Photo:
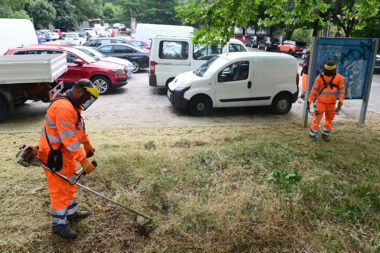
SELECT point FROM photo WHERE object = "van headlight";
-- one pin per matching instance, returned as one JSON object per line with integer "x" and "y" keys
{"x": 182, "y": 84}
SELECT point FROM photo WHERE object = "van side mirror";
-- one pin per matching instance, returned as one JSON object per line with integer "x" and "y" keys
{"x": 222, "y": 78}
{"x": 78, "y": 62}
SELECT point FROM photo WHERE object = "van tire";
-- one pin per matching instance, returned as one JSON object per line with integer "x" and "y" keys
{"x": 4, "y": 108}
{"x": 102, "y": 83}
{"x": 136, "y": 67}
{"x": 282, "y": 103}
{"x": 200, "y": 105}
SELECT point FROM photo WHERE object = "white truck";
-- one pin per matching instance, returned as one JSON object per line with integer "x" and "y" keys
{"x": 29, "y": 77}
{"x": 148, "y": 31}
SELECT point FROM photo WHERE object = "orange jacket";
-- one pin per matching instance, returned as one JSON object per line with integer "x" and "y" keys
{"x": 63, "y": 125}
{"x": 325, "y": 92}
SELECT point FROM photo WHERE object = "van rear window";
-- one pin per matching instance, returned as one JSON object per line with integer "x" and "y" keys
{"x": 205, "y": 52}
{"x": 176, "y": 50}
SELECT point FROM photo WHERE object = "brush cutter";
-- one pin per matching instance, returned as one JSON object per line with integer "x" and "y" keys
{"x": 27, "y": 156}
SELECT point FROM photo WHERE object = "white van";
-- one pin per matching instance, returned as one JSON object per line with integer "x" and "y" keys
{"x": 148, "y": 31}
{"x": 172, "y": 55}
{"x": 237, "y": 80}
{"x": 16, "y": 33}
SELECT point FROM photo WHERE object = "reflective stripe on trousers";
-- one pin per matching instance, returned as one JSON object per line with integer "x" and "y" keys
{"x": 59, "y": 221}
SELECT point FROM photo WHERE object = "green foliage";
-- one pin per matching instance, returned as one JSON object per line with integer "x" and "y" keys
{"x": 302, "y": 35}
{"x": 109, "y": 10}
{"x": 66, "y": 17}
{"x": 284, "y": 179}
{"x": 42, "y": 12}
{"x": 13, "y": 9}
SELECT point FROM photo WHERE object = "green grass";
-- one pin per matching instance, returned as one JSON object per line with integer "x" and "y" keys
{"x": 219, "y": 189}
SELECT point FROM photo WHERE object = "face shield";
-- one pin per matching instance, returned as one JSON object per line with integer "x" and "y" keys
{"x": 94, "y": 94}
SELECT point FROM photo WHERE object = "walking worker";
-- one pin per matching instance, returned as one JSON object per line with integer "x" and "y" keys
{"x": 59, "y": 148}
{"x": 327, "y": 87}
{"x": 304, "y": 72}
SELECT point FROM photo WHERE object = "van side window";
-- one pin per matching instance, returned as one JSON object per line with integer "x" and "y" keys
{"x": 206, "y": 52}
{"x": 236, "y": 48}
{"x": 176, "y": 50}
{"x": 235, "y": 72}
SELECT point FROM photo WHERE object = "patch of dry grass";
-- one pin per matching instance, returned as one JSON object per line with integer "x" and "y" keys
{"x": 208, "y": 190}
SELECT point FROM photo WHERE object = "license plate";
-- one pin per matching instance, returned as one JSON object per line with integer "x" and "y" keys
{"x": 56, "y": 90}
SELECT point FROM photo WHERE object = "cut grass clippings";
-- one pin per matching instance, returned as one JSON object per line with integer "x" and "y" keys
{"x": 264, "y": 188}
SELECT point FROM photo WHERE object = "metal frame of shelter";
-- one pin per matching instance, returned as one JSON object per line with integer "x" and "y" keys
{"x": 347, "y": 53}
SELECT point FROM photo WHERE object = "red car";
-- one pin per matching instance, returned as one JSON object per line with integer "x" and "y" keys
{"x": 292, "y": 47}
{"x": 104, "y": 75}
{"x": 140, "y": 43}
{"x": 57, "y": 31}
{"x": 240, "y": 37}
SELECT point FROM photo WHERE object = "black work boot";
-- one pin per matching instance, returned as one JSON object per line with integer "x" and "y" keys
{"x": 80, "y": 215}
{"x": 66, "y": 233}
{"x": 325, "y": 137}
{"x": 313, "y": 137}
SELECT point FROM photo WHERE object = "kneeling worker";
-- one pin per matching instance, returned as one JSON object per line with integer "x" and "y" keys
{"x": 59, "y": 148}
{"x": 327, "y": 87}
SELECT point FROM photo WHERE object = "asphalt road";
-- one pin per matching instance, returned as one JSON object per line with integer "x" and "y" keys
{"x": 139, "y": 105}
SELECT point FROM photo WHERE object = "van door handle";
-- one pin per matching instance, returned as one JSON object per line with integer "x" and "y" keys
{"x": 249, "y": 84}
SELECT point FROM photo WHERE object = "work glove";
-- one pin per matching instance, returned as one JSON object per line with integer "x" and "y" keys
{"x": 88, "y": 149}
{"x": 87, "y": 165}
{"x": 308, "y": 105}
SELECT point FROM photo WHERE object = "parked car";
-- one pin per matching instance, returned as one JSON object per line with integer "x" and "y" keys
{"x": 292, "y": 47}
{"x": 90, "y": 33}
{"x": 239, "y": 37}
{"x": 53, "y": 35}
{"x": 236, "y": 80}
{"x": 97, "y": 42}
{"x": 377, "y": 64}
{"x": 252, "y": 41}
{"x": 268, "y": 44}
{"x": 73, "y": 39}
{"x": 45, "y": 34}
{"x": 101, "y": 31}
{"x": 135, "y": 55}
{"x": 98, "y": 55}
{"x": 58, "y": 31}
{"x": 140, "y": 44}
{"x": 104, "y": 75}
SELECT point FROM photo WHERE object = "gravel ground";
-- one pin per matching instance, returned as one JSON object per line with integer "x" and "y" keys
{"x": 139, "y": 105}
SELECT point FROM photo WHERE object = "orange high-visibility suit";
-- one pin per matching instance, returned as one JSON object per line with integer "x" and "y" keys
{"x": 326, "y": 89}
{"x": 63, "y": 125}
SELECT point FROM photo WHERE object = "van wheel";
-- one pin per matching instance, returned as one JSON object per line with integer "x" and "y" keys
{"x": 200, "y": 105}
{"x": 4, "y": 109}
{"x": 136, "y": 67}
{"x": 102, "y": 83}
{"x": 282, "y": 103}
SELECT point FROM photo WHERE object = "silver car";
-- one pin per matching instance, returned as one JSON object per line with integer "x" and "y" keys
{"x": 97, "y": 55}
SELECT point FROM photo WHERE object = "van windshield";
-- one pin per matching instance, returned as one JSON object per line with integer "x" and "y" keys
{"x": 209, "y": 67}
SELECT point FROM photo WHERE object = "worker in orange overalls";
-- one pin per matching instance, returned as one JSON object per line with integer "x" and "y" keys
{"x": 59, "y": 148}
{"x": 327, "y": 87}
{"x": 304, "y": 72}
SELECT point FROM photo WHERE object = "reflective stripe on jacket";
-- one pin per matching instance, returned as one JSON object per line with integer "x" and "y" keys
{"x": 63, "y": 125}
{"x": 327, "y": 93}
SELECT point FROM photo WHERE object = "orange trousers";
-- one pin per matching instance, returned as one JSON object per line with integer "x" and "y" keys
{"x": 304, "y": 83}
{"x": 329, "y": 111}
{"x": 61, "y": 192}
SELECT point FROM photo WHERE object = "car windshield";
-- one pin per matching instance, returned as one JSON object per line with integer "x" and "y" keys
{"x": 82, "y": 55}
{"x": 208, "y": 68}
{"x": 92, "y": 52}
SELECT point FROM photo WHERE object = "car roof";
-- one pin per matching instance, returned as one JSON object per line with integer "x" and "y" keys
{"x": 243, "y": 55}
{"x": 120, "y": 44}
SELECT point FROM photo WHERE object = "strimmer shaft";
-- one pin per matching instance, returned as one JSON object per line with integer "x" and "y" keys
{"x": 97, "y": 193}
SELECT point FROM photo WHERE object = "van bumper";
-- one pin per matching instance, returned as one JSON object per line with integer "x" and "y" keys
{"x": 176, "y": 97}
{"x": 152, "y": 80}
{"x": 295, "y": 96}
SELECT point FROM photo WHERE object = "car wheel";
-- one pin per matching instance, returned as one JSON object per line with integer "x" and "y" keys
{"x": 282, "y": 103}
{"x": 102, "y": 83}
{"x": 200, "y": 105}
{"x": 136, "y": 67}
